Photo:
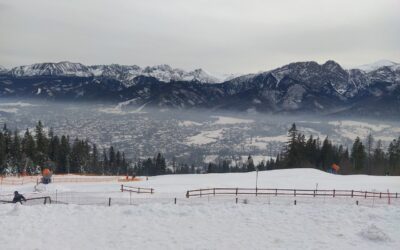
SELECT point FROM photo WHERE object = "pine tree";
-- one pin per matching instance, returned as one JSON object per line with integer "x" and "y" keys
{"x": 378, "y": 159}
{"x": 369, "y": 148}
{"x": 111, "y": 161}
{"x": 118, "y": 162}
{"x": 124, "y": 165}
{"x": 95, "y": 168}
{"x": 105, "y": 168}
{"x": 358, "y": 154}
{"x": 250, "y": 164}
{"x": 16, "y": 152}
{"x": 394, "y": 156}
{"x": 41, "y": 144}
{"x": 327, "y": 154}
{"x": 63, "y": 156}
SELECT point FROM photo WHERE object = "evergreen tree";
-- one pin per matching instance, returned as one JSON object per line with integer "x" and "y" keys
{"x": 118, "y": 161}
{"x": 358, "y": 154}
{"x": 378, "y": 159}
{"x": 105, "y": 164}
{"x": 16, "y": 153}
{"x": 63, "y": 156}
{"x": 250, "y": 164}
{"x": 369, "y": 148}
{"x": 112, "y": 160}
{"x": 41, "y": 144}
{"x": 95, "y": 168}
{"x": 327, "y": 154}
{"x": 394, "y": 156}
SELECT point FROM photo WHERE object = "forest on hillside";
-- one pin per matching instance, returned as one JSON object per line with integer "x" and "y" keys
{"x": 34, "y": 150}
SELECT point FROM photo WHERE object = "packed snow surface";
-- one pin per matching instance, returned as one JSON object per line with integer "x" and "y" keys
{"x": 155, "y": 222}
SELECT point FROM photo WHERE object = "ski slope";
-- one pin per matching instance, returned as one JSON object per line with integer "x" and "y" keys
{"x": 155, "y": 222}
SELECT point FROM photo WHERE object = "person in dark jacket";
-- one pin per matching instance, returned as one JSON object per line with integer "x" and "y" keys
{"x": 18, "y": 197}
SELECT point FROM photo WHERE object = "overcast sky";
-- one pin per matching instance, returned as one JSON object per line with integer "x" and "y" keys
{"x": 229, "y": 36}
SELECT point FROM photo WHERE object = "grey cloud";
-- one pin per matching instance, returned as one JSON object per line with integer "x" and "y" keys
{"x": 218, "y": 35}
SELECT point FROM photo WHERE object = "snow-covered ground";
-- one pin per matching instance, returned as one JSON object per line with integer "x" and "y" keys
{"x": 205, "y": 137}
{"x": 155, "y": 222}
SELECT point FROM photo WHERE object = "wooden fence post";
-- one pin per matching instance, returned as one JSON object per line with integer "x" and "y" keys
{"x": 139, "y": 190}
{"x": 214, "y": 191}
{"x": 122, "y": 187}
{"x": 276, "y": 192}
{"x": 109, "y": 201}
{"x": 200, "y": 192}
{"x": 151, "y": 190}
{"x": 380, "y": 195}
{"x": 334, "y": 193}
{"x": 256, "y": 191}
{"x": 314, "y": 192}
{"x": 175, "y": 200}
{"x": 187, "y": 194}
{"x": 236, "y": 200}
{"x": 236, "y": 191}
{"x": 365, "y": 197}
{"x": 295, "y": 192}
{"x": 351, "y": 193}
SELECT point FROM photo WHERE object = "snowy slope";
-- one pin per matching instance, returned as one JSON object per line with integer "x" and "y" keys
{"x": 210, "y": 223}
{"x": 3, "y": 69}
{"x": 177, "y": 185}
{"x": 376, "y": 65}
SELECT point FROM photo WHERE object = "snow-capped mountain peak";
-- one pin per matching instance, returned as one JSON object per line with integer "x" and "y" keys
{"x": 376, "y": 65}
{"x": 3, "y": 69}
{"x": 124, "y": 73}
{"x": 52, "y": 69}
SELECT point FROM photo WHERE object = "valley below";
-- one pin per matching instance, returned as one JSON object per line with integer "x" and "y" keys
{"x": 187, "y": 136}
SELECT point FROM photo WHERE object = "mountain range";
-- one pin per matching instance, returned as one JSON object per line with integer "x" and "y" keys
{"x": 296, "y": 87}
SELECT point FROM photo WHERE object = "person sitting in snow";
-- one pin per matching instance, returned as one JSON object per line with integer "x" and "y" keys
{"x": 18, "y": 197}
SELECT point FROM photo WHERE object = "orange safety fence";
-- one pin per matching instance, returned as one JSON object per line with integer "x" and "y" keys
{"x": 130, "y": 179}
{"x": 18, "y": 180}
{"x": 58, "y": 179}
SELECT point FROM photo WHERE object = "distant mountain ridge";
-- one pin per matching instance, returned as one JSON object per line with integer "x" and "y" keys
{"x": 123, "y": 73}
{"x": 295, "y": 87}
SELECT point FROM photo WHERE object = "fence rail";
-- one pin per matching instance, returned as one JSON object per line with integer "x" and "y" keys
{"x": 289, "y": 192}
{"x": 139, "y": 190}
{"x": 46, "y": 199}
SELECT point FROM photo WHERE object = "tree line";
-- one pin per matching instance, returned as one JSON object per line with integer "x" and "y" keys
{"x": 368, "y": 157}
{"x": 36, "y": 150}
{"x": 30, "y": 153}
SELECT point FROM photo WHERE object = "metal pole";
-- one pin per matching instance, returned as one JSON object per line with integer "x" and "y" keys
{"x": 256, "y": 178}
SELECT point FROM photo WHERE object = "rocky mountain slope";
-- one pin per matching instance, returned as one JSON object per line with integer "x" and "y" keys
{"x": 296, "y": 87}
{"x": 124, "y": 73}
